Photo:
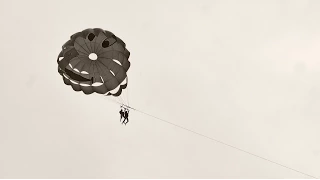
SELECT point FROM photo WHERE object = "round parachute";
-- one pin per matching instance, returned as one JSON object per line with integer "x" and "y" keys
{"x": 94, "y": 60}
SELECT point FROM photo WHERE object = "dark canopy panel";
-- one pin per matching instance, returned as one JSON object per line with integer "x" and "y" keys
{"x": 102, "y": 74}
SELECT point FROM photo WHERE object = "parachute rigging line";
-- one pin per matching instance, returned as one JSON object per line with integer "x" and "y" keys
{"x": 223, "y": 143}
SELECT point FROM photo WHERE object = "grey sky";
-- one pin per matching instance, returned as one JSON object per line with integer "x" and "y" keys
{"x": 243, "y": 72}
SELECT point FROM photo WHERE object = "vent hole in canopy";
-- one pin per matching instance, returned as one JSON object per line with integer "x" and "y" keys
{"x": 91, "y": 36}
{"x": 93, "y": 56}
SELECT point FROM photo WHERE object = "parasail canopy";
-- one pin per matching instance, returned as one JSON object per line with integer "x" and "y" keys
{"x": 94, "y": 60}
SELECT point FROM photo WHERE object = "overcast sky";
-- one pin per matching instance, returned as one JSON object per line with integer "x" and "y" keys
{"x": 243, "y": 72}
